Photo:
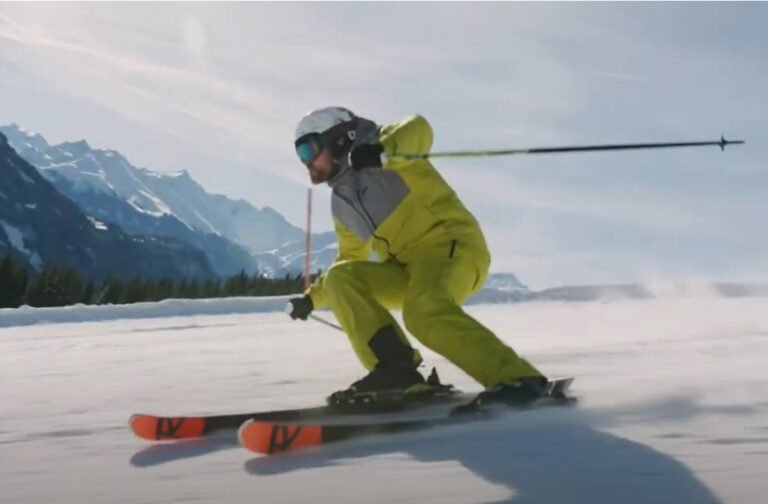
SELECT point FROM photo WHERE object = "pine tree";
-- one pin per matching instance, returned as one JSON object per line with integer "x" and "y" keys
{"x": 13, "y": 279}
{"x": 54, "y": 286}
{"x": 193, "y": 290}
{"x": 71, "y": 287}
{"x": 211, "y": 289}
{"x": 88, "y": 293}
{"x": 134, "y": 292}
{"x": 181, "y": 289}
{"x": 236, "y": 285}
{"x": 38, "y": 291}
{"x": 111, "y": 292}
{"x": 164, "y": 289}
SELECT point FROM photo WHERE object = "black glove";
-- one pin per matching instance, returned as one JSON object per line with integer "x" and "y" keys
{"x": 300, "y": 307}
{"x": 365, "y": 156}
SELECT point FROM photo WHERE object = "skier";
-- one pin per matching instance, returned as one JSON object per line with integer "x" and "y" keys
{"x": 432, "y": 253}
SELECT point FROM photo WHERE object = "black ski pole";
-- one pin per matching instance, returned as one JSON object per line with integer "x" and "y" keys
{"x": 722, "y": 143}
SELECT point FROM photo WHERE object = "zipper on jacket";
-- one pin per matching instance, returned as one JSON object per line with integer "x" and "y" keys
{"x": 369, "y": 222}
{"x": 360, "y": 200}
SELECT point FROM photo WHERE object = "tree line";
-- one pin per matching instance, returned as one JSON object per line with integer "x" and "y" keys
{"x": 63, "y": 286}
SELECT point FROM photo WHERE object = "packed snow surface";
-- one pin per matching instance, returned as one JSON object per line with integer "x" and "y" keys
{"x": 673, "y": 408}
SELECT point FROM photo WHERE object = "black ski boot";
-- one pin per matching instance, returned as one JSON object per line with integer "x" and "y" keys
{"x": 384, "y": 384}
{"x": 516, "y": 393}
{"x": 388, "y": 377}
{"x": 394, "y": 375}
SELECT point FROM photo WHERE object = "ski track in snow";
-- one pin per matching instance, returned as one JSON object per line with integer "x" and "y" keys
{"x": 672, "y": 409}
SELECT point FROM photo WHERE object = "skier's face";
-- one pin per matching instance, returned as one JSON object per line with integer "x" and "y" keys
{"x": 320, "y": 168}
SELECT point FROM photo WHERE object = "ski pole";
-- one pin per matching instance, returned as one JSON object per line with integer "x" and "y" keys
{"x": 722, "y": 143}
{"x": 289, "y": 308}
{"x": 323, "y": 321}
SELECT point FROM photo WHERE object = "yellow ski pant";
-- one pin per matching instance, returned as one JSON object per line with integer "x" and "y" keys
{"x": 429, "y": 290}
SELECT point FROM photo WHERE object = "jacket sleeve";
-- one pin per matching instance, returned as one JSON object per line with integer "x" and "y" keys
{"x": 351, "y": 248}
{"x": 412, "y": 135}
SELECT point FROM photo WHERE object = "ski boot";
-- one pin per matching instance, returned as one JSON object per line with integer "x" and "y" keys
{"x": 516, "y": 393}
{"x": 383, "y": 385}
{"x": 394, "y": 380}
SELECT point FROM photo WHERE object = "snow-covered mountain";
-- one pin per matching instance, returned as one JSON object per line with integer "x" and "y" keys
{"x": 40, "y": 225}
{"x": 107, "y": 186}
{"x": 291, "y": 257}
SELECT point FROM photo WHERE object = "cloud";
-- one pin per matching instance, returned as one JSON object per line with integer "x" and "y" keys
{"x": 221, "y": 86}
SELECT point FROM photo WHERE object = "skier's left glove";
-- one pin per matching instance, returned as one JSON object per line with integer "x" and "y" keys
{"x": 300, "y": 307}
{"x": 365, "y": 156}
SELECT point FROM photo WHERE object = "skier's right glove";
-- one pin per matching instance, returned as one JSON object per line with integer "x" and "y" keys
{"x": 366, "y": 156}
{"x": 300, "y": 307}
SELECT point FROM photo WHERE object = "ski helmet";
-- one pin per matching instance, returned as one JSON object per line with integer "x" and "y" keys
{"x": 332, "y": 127}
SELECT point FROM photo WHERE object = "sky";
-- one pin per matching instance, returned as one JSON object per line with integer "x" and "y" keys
{"x": 217, "y": 89}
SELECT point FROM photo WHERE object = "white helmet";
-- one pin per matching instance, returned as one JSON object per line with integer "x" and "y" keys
{"x": 330, "y": 127}
{"x": 321, "y": 120}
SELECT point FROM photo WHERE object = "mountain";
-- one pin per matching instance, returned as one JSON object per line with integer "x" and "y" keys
{"x": 38, "y": 225}
{"x": 290, "y": 258}
{"x": 107, "y": 186}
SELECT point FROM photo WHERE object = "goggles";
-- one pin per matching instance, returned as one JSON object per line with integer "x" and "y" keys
{"x": 338, "y": 138}
{"x": 309, "y": 147}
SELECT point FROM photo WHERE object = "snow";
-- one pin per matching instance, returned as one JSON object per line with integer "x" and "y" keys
{"x": 81, "y": 180}
{"x": 16, "y": 239}
{"x": 672, "y": 407}
{"x": 211, "y": 227}
{"x": 26, "y": 177}
{"x": 136, "y": 202}
{"x": 28, "y": 315}
{"x": 35, "y": 260}
{"x": 157, "y": 202}
{"x": 97, "y": 223}
{"x": 15, "y": 236}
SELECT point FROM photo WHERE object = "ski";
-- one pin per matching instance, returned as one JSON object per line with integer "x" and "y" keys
{"x": 163, "y": 428}
{"x": 269, "y": 437}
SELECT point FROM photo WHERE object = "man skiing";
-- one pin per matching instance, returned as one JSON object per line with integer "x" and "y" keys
{"x": 432, "y": 253}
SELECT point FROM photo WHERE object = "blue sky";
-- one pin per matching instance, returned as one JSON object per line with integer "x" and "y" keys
{"x": 217, "y": 89}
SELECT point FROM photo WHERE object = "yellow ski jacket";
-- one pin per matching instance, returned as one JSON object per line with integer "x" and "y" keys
{"x": 401, "y": 209}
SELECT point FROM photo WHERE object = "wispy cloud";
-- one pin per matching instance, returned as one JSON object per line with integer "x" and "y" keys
{"x": 626, "y": 77}
{"x": 222, "y": 85}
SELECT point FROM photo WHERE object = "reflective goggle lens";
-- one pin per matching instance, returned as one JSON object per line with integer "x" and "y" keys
{"x": 308, "y": 150}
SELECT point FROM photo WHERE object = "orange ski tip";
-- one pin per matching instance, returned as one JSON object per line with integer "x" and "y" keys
{"x": 159, "y": 428}
{"x": 270, "y": 437}
{"x": 144, "y": 426}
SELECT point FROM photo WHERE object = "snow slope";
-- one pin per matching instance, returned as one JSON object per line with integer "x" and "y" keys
{"x": 673, "y": 407}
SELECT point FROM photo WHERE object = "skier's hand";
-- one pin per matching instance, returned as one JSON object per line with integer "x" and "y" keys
{"x": 365, "y": 156}
{"x": 300, "y": 307}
